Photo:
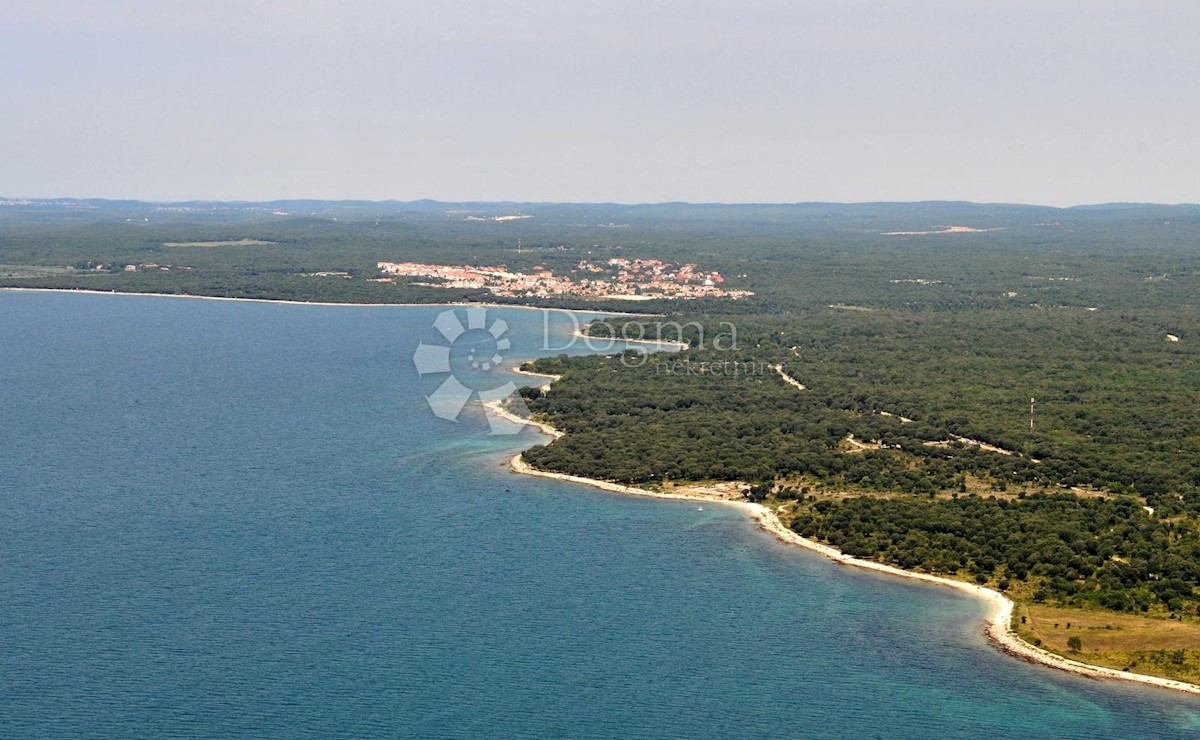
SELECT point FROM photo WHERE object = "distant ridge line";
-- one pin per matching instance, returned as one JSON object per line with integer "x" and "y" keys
{"x": 10, "y": 201}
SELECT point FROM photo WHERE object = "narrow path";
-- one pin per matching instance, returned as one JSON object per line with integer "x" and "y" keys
{"x": 905, "y": 420}
{"x": 787, "y": 378}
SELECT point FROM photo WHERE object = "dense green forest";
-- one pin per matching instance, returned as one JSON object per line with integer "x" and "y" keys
{"x": 1106, "y": 552}
{"x": 912, "y": 348}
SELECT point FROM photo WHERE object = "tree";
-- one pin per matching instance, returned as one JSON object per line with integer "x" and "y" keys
{"x": 1074, "y": 644}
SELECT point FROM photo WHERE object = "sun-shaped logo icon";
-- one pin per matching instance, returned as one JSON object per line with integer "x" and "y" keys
{"x": 479, "y": 348}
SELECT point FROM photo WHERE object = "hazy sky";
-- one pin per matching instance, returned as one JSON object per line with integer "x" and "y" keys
{"x": 644, "y": 100}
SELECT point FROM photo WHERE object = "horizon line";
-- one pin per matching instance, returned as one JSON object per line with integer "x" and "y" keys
{"x": 629, "y": 204}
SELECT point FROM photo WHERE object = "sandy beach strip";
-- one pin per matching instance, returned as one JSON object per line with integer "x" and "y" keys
{"x": 546, "y": 378}
{"x": 612, "y": 342}
{"x": 999, "y": 621}
{"x": 500, "y": 409}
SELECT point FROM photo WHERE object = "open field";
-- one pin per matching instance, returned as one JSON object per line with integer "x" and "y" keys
{"x": 32, "y": 271}
{"x": 1156, "y": 645}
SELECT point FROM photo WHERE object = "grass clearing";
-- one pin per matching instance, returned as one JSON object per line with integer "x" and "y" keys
{"x": 33, "y": 271}
{"x": 1155, "y": 645}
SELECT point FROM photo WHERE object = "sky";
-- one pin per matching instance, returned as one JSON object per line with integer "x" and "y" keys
{"x": 1047, "y": 102}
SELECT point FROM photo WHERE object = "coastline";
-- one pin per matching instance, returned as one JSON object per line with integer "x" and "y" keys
{"x": 614, "y": 341}
{"x": 287, "y": 302}
{"x": 999, "y": 621}
{"x": 548, "y": 379}
{"x": 499, "y": 409}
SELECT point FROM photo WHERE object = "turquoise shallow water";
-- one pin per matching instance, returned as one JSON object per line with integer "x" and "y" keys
{"x": 232, "y": 519}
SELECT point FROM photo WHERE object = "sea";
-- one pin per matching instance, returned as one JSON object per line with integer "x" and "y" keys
{"x": 238, "y": 519}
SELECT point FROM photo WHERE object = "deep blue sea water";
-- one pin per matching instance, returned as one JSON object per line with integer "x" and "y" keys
{"x": 237, "y": 519}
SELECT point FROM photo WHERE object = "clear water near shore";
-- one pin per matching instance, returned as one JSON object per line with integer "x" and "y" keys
{"x": 242, "y": 520}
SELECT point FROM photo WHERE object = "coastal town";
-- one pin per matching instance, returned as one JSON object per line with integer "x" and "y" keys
{"x": 614, "y": 279}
